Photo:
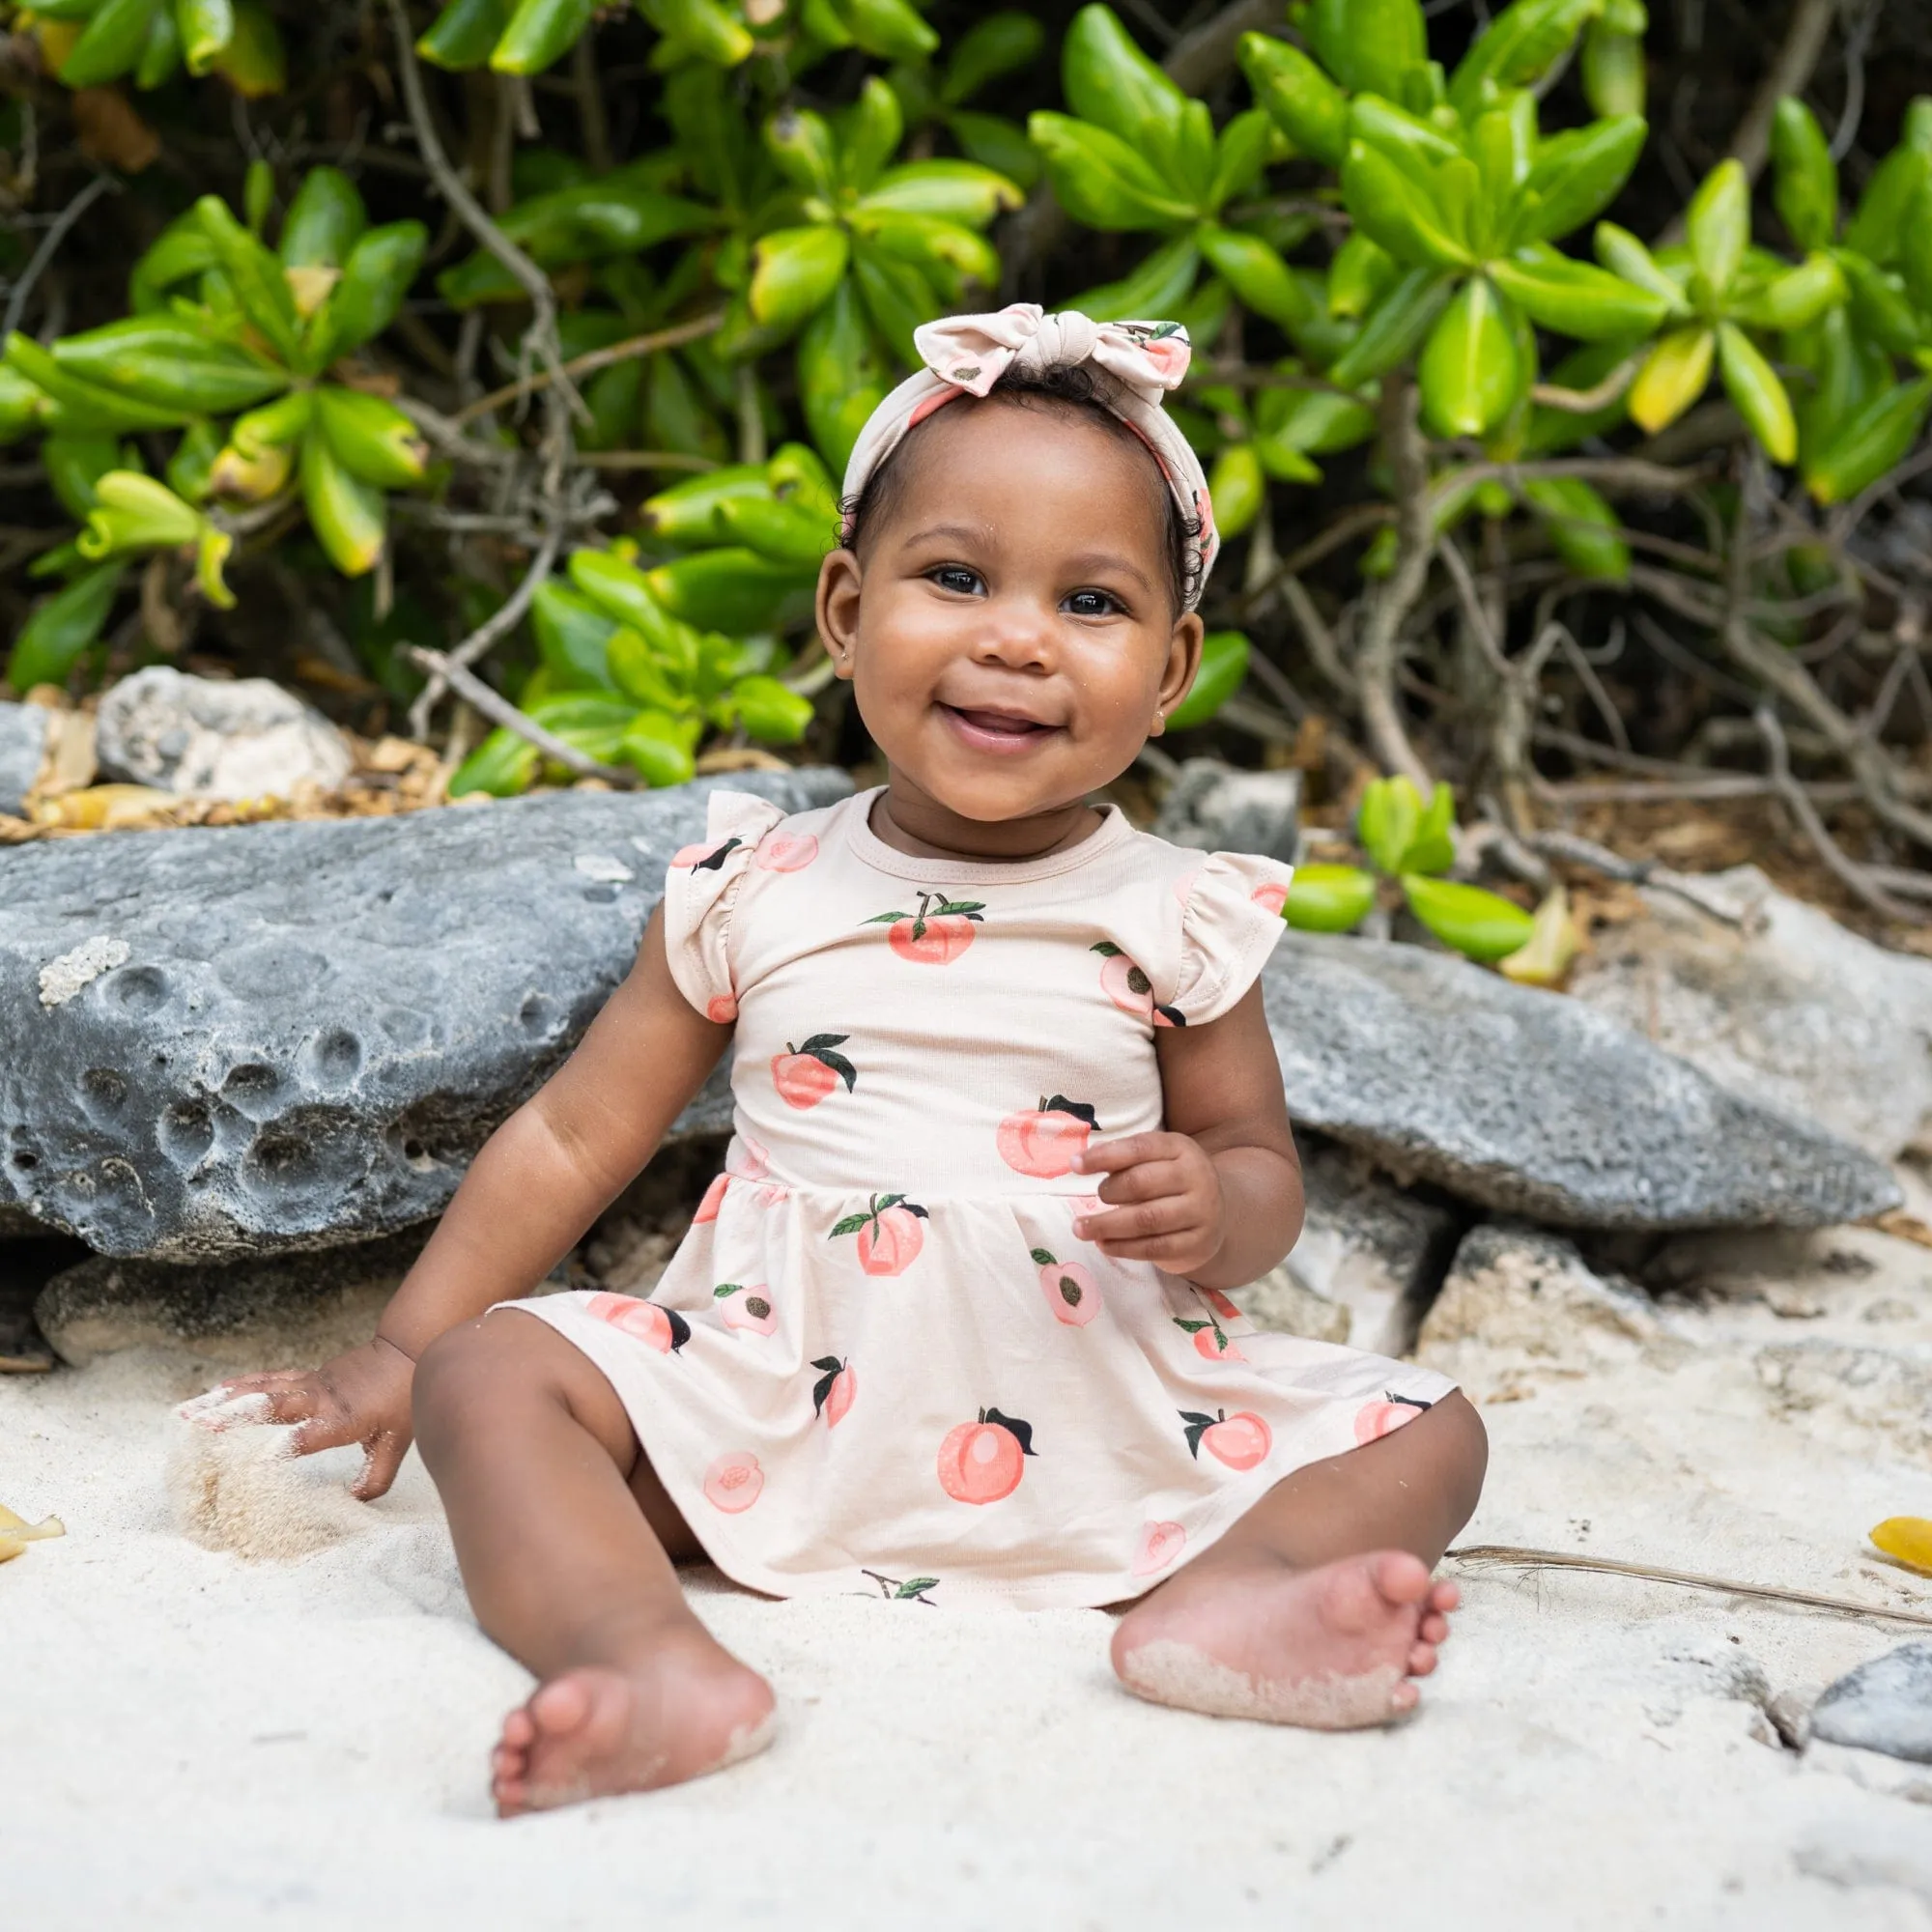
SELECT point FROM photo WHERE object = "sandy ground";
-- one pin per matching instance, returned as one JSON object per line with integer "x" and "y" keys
{"x": 192, "y": 1739}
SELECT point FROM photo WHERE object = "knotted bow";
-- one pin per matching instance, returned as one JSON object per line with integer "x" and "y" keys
{"x": 1135, "y": 364}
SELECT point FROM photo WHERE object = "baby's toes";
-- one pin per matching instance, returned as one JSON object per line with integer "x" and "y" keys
{"x": 1399, "y": 1577}
{"x": 1421, "y": 1660}
{"x": 1433, "y": 1629}
{"x": 559, "y": 1706}
{"x": 520, "y": 1732}
{"x": 1445, "y": 1596}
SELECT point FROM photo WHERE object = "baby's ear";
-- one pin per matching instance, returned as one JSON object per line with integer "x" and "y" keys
{"x": 840, "y": 581}
{"x": 1184, "y": 659}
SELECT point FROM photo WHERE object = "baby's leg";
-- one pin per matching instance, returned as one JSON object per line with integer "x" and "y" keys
{"x": 1317, "y": 1607}
{"x": 566, "y": 1538}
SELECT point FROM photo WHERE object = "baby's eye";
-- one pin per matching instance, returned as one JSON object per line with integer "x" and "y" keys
{"x": 956, "y": 577}
{"x": 1091, "y": 604}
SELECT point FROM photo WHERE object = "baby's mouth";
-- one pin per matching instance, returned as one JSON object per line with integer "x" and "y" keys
{"x": 997, "y": 731}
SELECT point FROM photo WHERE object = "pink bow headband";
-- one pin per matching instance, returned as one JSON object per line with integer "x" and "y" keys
{"x": 1135, "y": 364}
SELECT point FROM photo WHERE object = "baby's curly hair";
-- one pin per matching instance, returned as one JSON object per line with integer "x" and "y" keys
{"x": 1064, "y": 388}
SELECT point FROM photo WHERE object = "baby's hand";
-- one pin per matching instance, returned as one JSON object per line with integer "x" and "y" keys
{"x": 362, "y": 1396}
{"x": 1163, "y": 1199}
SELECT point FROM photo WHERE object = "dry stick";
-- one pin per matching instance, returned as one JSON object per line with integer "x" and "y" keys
{"x": 644, "y": 459}
{"x": 1849, "y": 873}
{"x": 1803, "y": 41}
{"x": 1688, "y": 1579}
{"x": 444, "y": 669}
{"x": 542, "y": 334}
{"x": 1574, "y": 850}
{"x": 498, "y": 624}
{"x": 1350, "y": 524}
{"x": 590, "y": 362}
{"x": 1381, "y": 634}
{"x": 1581, "y": 402}
{"x": 1316, "y": 636}
{"x": 57, "y": 233}
{"x": 591, "y": 119}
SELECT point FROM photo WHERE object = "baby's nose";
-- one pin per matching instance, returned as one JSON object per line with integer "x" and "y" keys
{"x": 1018, "y": 634}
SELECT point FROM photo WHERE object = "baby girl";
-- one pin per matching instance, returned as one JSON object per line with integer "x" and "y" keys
{"x": 953, "y": 1326}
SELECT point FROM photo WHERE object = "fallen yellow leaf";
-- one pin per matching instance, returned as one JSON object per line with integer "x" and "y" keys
{"x": 1909, "y": 1539}
{"x": 107, "y": 807}
{"x": 18, "y": 1529}
{"x": 1545, "y": 957}
{"x": 10, "y": 1546}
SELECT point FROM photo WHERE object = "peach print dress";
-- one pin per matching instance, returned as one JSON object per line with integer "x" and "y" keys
{"x": 881, "y": 1360}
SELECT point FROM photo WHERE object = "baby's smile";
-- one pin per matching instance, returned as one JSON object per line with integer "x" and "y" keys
{"x": 1000, "y": 732}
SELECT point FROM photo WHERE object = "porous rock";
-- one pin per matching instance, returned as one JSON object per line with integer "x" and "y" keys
{"x": 1885, "y": 1705}
{"x": 1521, "y": 1291}
{"x": 1369, "y": 1248}
{"x": 23, "y": 745}
{"x": 1876, "y": 1395}
{"x": 1786, "y": 1006}
{"x": 1530, "y": 1103}
{"x": 319, "y": 1022}
{"x": 1215, "y": 807}
{"x": 239, "y": 1315}
{"x": 210, "y": 737}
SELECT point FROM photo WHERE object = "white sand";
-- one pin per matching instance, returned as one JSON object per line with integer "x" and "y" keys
{"x": 190, "y": 1739}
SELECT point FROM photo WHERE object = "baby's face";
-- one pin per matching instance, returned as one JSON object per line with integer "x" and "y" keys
{"x": 1011, "y": 634}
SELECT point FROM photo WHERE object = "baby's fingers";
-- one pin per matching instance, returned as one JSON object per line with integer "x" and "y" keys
{"x": 386, "y": 1450}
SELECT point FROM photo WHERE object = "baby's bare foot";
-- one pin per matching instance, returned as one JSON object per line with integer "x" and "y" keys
{"x": 1246, "y": 1636}
{"x": 685, "y": 1708}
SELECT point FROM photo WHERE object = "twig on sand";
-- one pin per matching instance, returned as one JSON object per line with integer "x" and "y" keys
{"x": 498, "y": 708}
{"x": 1688, "y": 1579}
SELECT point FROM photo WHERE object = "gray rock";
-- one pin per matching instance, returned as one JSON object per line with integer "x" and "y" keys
{"x": 213, "y": 738}
{"x": 1788, "y": 1006}
{"x": 1861, "y": 1397}
{"x": 1284, "y": 1305}
{"x": 1531, "y": 1103}
{"x": 1369, "y": 1248}
{"x": 315, "y": 1024}
{"x": 1215, "y": 807}
{"x": 1519, "y": 1291}
{"x": 244, "y": 1315}
{"x": 23, "y": 745}
{"x": 1884, "y": 1706}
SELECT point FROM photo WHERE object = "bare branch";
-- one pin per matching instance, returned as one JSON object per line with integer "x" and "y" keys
{"x": 494, "y": 705}
{"x": 590, "y": 362}
{"x": 1381, "y": 634}
{"x": 498, "y": 624}
{"x": 57, "y": 233}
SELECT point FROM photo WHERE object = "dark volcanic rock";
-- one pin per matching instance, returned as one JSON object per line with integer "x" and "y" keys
{"x": 1534, "y": 1104}
{"x": 215, "y": 1042}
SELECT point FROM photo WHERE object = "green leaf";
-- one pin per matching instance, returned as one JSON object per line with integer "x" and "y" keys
{"x": 1431, "y": 847}
{"x": 573, "y": 638}
{"x": 888, "y": 28}
{"x": 842, "y": 375}
{"x": 1719, "y": 219}
{"x": 1369, "y": 43}
{"x": 1575, "y": 176}
{"x": 1878, "y": 229}
{"x": 374, "y": 278}
{"x": 1112, "y": 84}
{"x": 254, "y": 274}
{"x": 1519, "y": 47}
{"x": 1469, "y": 373}
{"x": 1236, "y": 488}
{"x": 897, "y": 297}
{"x": 733, "y": 590}
{"x": 1223, "y": 667}
{"x": 1806, "y": 190}
{"x": 464, "y": 34}
{"x": 869, "y": 133}
{"x": 1879, "y": 304}
{"x": 1576, "y": 299}
{"x": 961, "y": 192}
{"x": 322, "y": 221}
{"x": 771, "y": 712}
{"x": 700, "y": 28}
{"x": 1399, "y": 211}
{"x": 1300, "y": 100}
{"x": 801, "y": 142}
{"x": 62, "y": 626}
{"x": 1328, "y": 898}
{"x": 1865, "y": 446}
{"x": 1156, "y": 286}
{"x": 688, "y": 513}
{"x": 173, "y": 363}
{"x": 1614, "y": 76}
{"x": 1403, "y": 314}
{"x": 1262, "y": 281}
{"x": 372, "y": 439}
{"x": 1240, "y": 156}
{"x": 996, "y": 46}
{"x": 795, "y": 269}
{"x": 1674, "y": 375}
{"x": 1794, "y": 299}
{"x": 1387, "y": 820}
{"x": 1582, "y": 526}
{"x": 1482, "y": 924}
{"x": 786, "y": 533}
{"x": 109, "y": 44}
{"x": 1358, "y": 273}
{"x": 1754, "y": 389}
{"x": 656, "y": 746}
{"x": 349, "y": 518}
{"x": 1099, "y": 179}
{"x": 1623, "y": 254}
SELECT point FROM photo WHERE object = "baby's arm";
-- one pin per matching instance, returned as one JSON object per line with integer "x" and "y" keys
{"x": 539, "y": 1182}
{"x": 1217, "y": 1196}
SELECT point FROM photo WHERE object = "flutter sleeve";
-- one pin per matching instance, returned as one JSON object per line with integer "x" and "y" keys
{"x": 701, "y": 888}
{"x": 1229, "y": 925}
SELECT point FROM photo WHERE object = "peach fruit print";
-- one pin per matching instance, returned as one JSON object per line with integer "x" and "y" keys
{"x": 1219, "y": 1303}
{"x": 1270, "y": 898}
{"x": 937, "y": 934}
{"x": 733, "y": 1481}
{"x": 786, "y": 852}
{"x": 806, "y": 1075}
{"x": 1159, "y": 1544}
{"x": 1130, "y": 989}
{"x": 1382, "y": 1417}
{"x": 888, "y": 1231}
{"x": 1211, "y": 1340}
{"x": 1068, "y": 1288}
{"x": 981, "y": 1462}
{"x": 1239, "y": 1440}
{"x": 1045, "y": 1141}
{"x": 706, "y": 858}
{"x": 665, "y": 1329}
{"x": 832, "y": 1392}
{"x": 720, "y": 1008}
{"x": 748, "y": 1309}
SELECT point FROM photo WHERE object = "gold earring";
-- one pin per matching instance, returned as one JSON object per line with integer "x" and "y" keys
{"x": 1160, "y": 723}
